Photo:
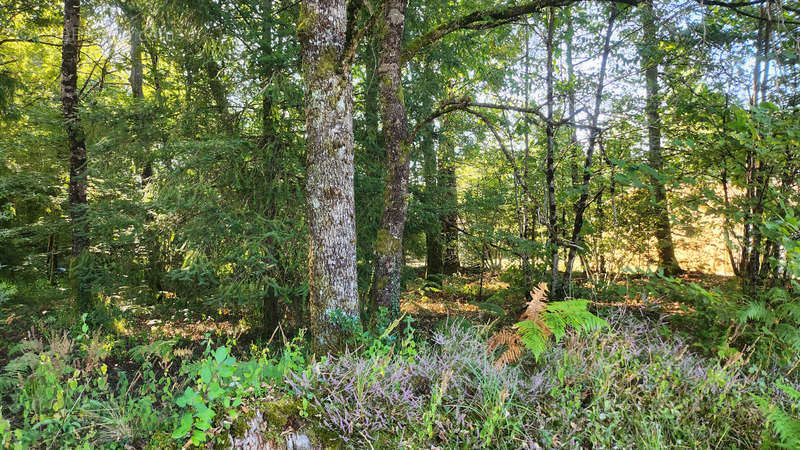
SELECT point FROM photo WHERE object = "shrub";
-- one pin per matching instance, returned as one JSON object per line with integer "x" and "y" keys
{"x": 623, "y": 385}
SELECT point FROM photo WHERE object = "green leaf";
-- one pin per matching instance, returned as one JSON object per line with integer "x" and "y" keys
{"x": 187, "y": 398}
{"x": 204, "y": 416}
{"x": 198, "y": 437}
{"x": 186, "y": 424}
{"x": 221, "y": 354}
{"x": 215, "y": 391}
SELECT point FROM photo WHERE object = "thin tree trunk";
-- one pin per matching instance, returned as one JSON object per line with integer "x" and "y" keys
{"x": 389, "y": 241}
{"x": 333, "y": 295}
{"x": 523, "y": 206}
{"x": 78, "y": 206}
{"x": 758, "y": 179}
{"x": 136, "y": 76}
{"x": 550, "y": 172}
{"x": 270, "y": 303}
{"x": 267, "y": 71}
{"x": 573, "y": 135}
{"x": 447, "y": 181}
{"x": 433, "y": 231}
{"x": 583, "y": 200}
{"x": 663, "y": 233}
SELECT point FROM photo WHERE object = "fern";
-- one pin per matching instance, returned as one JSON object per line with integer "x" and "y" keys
{"x": 786, "y": 426}
{"x": 755, "y": 311}
{"x": 542, "y": 320}
{"x": 776, "y": 317}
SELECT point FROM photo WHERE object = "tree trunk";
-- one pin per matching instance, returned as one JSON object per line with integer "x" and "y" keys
{"x": 328, "y": 86}
{"x": 550, "y": 173}
{"x": 757, "y": 179}
{"x": 573, "y": 135}
{"x": 271, "y": 309}
{"x": 583, "y": 200}
{"x": 267, "y": 71}
{"x": 136, "y": 76}
{"x": 449, "y": 192}
{"x": 78, "y": 205}
{"x": 389, "y": 241}
{"x": 433, "y": 232}
{"x": 666, "y": 249}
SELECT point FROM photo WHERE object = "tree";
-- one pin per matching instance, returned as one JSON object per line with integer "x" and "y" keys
{"x": 649, "y": 56}
{"x": 328, "y": 84}
{"x": 389, "y": 242}
{"x": 77, "y": 150}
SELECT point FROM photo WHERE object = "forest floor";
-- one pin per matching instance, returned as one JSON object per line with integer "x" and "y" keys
{"x": 661, "y": 372}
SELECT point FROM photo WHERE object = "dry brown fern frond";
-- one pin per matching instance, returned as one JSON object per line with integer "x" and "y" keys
{"x": 536, "y": 306}
{"x": 183, "y": 352}
{"x": 511, "y": 340}
{"x": 537, "y": 303}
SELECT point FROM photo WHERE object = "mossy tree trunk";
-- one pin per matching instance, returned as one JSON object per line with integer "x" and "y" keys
{"x": 663, "y": 231}
{"x": 389, "y": 242}
{"x": 328, "y": 85}
{"x": 78, "y": 205}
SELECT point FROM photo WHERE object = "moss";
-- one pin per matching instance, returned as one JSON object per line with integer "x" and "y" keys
{"x": 321, "y": 436}
{"x": 386, "y": 244}
{"x": 277, "y": 413}
{"x": 307, "y": 23}
{"x": 242, "y": 423}
{"x": 162, "y": 440}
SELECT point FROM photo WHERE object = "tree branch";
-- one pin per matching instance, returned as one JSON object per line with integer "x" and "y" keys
{"x": 485, "y": 19}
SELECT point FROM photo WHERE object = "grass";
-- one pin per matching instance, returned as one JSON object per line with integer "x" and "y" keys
{"x": 652, "y": 380}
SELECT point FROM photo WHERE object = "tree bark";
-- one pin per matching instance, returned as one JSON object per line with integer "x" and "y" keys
{"x": 389, "y": 241}
{"x": 666, "y": 249}
{"x": 550, "y": 173}
{"x": 78, "y": 206}
{"x": 433, "y": 232}
{"x": 328, "y": 89}
{"x": 136, "y": 76}
{"x": 573, "y": 135}
{"x": 448, "y": 183}
{"x": 757, "y": 179}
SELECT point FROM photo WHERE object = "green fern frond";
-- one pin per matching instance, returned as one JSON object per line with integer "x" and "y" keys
{"x": 785, "y": 425}
{"x": 789, "y": 309}
{"x": 575, "y": 314}
{"x": 755, "y": 311}
{"x": 789, "y": 334}
{"x": 533, "y": 337}
{"x": 555, "y": 319}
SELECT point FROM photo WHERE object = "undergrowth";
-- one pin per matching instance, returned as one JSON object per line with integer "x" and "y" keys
{"x": 631, "y": 382}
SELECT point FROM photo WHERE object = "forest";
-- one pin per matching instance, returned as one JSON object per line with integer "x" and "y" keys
{"x": 425, "y": 224}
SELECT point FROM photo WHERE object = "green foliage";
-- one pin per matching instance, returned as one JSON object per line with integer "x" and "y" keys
{"x": 221, "y": 383}
{"x": 554, "y": 320}
{"x": 786, "y": 424}
{"x": 774, "y": 319}
{"x": 7, "y": 291}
